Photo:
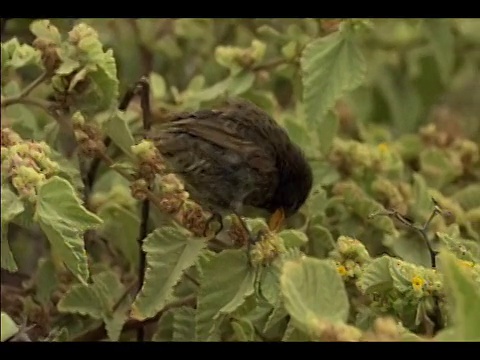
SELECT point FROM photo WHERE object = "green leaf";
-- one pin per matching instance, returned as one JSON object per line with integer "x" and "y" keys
{"x": 124, "y": 237}
{"x": 67, "y": 67}
{"x": 11, "y": 207}
{"x": 293, "y": 238}
{"x": 95, "y": 299}
{"x": 183, "y": 324}
{"x": 376, "y": 276}
{"x": 437, "y": 168}
{"x": 423, "y": 205}
{"x": 158, "y": 85}
{"x": 313, "y": 291}
{"x": 440, "y": 34}
{"x": 222, "y": 290}
{"x": 468, "y": 197}
{"x": 321, "y": 241}
{"x": 46, "y": 281}
{"x": 293, "y": 334}
{"x": 331, "y": 66}
{"x": 402, "y": 97}
{"x": 276, "y": 316}
{"x": 326, "y": 130}
{"x": 64, "y": 220}
{"x": 98, "y": 300}
{"x": 165, "y": 327}
{"x": 170, "y": 251}
{"x": 409, "y": 248}
{"x": 270, "y": 282}
{"x": 464, "y": 299}
{"x": 240, "y": 83}
{"x": 243, "y": 329}
{"x": 43, "y": 29}
{"x": 8, "y": 328}
{"x": 116, "y": 127}
{"x": 24, "y": 55}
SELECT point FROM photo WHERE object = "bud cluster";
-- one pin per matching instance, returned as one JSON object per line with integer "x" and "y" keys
{"x": 26, "y": 164}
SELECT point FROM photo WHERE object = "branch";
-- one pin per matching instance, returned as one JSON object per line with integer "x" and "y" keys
{"x": 43, "y": 104}
{"x": 26, "y": 91}
{"x": 420, "y": 229}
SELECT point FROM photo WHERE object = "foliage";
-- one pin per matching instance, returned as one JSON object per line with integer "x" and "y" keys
{"x": 385, "y": 110}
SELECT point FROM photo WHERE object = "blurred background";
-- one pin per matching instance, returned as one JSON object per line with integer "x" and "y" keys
{"x": 419, "y": 71}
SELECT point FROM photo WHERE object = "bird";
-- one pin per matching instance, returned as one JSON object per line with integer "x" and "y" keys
{"x": 235, "y": 157}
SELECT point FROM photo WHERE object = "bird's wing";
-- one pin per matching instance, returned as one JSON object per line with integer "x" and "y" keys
{"x": 207, "y": 126}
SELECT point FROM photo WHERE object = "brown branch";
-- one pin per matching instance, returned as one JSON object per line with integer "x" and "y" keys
{"x": 422, "y": 230}
{"x": 22, "y": 97}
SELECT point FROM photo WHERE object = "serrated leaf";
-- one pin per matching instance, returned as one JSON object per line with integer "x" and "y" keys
{"x": 243, "y": 329}
{"x": 293, "y": 238}
{"x": 67, "y": 66}
{"x": 170, "y": 251}
{"x": 45, "y": 30}
{"x": 297, "y": 131}
{"x": 11, "y": 207}
{"x": 321, "y": 241}
{"x": 96, "y": 300}
{"x": 376, "y": 276}
{"x": 117, "y": 129}
{"x": 103, "y": 90}
{"x": 64, "y": 220}
{"x": 46, "y": 281}
{"x": 184, "y": 324}
{"x": 402, "y": 97}
{"x": 123, "y": 238}
{"x": 423, "y": 201}
{"x": 222, "y": 290}
{"x": 278, "y": 314}
{"x": 114, "y": 322}
{"x": 327, "y": 126}
{"x": 331, "y": 66}
{"x": 270, "y": 282}
{"x": 8, "y": 327}
{"x": 165, "y": 327}
{"x": 313, "y": 291}
{"x": 7, "y": 260}
{"x": 293, "y": 334}
{"x": 440, "y": 34}
{"x": 464, "y": 299}
{"x": 23, "y": 55}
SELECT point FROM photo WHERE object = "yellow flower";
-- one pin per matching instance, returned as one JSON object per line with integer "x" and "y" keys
{"x": 341, "y": 270}
{"x": 383, "y": 147}
{"x": 417, "y": 283}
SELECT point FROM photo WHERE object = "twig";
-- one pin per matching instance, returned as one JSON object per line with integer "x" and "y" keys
{"x": 26, "y": 91}
{"x": 95, "y": 164}
{"x": 421, "y": 229}
{"x": 271, "y": 64}
{"x": 43, "y": 104}
{"x": 142, "y": 88}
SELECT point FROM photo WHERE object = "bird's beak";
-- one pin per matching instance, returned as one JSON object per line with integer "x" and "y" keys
{"x": 276, "y": 220}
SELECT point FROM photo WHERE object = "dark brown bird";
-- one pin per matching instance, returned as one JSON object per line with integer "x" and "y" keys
{"x": 233, "y": 157}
